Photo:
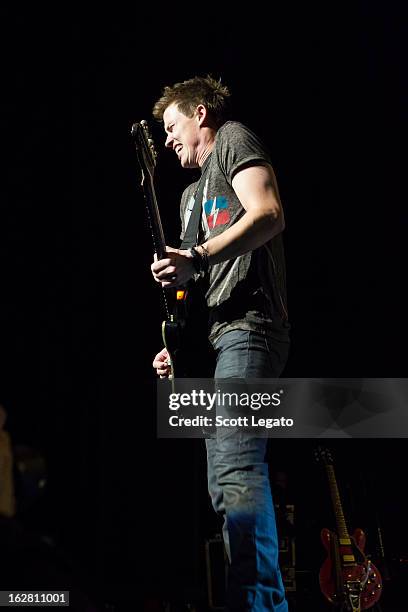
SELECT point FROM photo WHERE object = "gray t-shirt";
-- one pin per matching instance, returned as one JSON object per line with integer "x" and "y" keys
{"x": 249, "y": 291}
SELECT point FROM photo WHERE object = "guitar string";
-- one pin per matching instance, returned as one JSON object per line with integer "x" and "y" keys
{"x": 163, "y": 291}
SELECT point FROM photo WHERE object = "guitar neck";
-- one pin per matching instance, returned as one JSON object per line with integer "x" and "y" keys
{"x": 154, "y": 218}
{"x": 146, "y": 156}
{"x": 342, "y": 530}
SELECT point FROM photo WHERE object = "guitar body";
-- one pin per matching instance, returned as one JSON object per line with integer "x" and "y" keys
{"x": 185, "y": 334}
{"x": 347, "y": 578}
{"x": 362, "y": 577}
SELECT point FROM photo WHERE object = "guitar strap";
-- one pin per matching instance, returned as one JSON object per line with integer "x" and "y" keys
{"x": 190, "y": 236}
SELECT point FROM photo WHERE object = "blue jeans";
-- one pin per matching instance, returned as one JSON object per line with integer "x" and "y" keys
{"x": 238, "y": 482}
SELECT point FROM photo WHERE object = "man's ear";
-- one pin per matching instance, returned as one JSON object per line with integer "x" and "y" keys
{"x": 201, "y": 114}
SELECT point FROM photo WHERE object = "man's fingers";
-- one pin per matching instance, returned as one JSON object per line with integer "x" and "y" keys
{"x": 161, "y": 264}
{"x": 168, "y": 284}
{"x": 161, "y": 359}
{"x": 163, "y": 372}
{"x": 160, "y": 363}
{"x": 168, "y": 271}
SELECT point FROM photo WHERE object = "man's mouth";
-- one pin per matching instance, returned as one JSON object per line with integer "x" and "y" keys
{"x": 178, "y": 149}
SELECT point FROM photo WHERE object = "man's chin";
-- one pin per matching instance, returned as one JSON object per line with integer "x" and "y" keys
{"x": 185, "y": 163}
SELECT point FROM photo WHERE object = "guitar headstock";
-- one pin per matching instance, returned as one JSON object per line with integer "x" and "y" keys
{"x": 323, "y": 455}
{"x": 146, "y": 151}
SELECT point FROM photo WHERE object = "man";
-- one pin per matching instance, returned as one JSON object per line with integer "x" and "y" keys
{"x": 240, "y": 252}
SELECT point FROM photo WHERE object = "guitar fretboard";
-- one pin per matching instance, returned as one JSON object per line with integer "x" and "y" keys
{"x": 338, "y": 510}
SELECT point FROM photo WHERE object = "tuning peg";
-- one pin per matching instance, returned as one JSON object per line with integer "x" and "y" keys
{"x": 145, "y": 126}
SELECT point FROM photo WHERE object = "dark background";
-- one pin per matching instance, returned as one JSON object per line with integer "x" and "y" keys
{"x": 80, "y": 315}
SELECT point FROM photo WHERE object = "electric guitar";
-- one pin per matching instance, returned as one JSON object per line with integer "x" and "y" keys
{"x": 347, "y": 578}
{"x": 184, "y": 330}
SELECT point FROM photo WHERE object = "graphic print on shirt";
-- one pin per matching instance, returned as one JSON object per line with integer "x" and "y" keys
{"x": 217, "y": 212}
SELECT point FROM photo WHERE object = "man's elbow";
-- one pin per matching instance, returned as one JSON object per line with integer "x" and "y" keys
{"x": 276, "y": 222}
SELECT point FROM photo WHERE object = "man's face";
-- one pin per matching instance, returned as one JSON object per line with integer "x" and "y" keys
{"x": 182, "y": 135}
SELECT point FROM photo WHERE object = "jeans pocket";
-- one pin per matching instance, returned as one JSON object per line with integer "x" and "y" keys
{"x": 277, "y": 354}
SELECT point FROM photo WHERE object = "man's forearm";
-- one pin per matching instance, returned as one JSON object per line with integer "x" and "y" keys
{"x": 252, "y": 231}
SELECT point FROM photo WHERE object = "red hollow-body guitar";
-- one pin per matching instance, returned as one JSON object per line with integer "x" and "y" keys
{"x": 348, "y": 579}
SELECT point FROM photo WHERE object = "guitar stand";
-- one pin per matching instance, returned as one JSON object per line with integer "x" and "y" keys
{"x": 344, "y": 607}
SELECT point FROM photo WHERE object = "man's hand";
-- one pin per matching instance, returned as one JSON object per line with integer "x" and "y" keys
{"x": 161, "y": 364}
{"x": 174, "y": 270}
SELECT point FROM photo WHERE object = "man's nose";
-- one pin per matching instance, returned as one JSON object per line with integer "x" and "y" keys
{"x": 169, "y": 141}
